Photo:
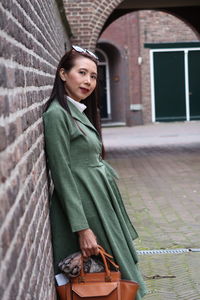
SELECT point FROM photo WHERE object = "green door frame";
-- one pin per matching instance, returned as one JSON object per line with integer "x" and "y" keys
{"x": 187, "y": 99}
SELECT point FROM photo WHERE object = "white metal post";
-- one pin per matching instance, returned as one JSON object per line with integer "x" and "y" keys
{"x": 187, "y": 95}
{"x": 152, "y": 86}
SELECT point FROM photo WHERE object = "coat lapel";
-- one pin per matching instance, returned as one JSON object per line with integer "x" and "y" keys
{"x": 81, "y": 117}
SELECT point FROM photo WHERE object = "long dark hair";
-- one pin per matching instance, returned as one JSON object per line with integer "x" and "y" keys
{"x": 58, "y": 92}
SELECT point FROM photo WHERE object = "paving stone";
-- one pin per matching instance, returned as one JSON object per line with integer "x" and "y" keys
{"x": 159, "y": 182}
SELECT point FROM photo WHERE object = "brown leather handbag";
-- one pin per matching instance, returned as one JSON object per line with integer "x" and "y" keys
{"x": 99, "y": 286}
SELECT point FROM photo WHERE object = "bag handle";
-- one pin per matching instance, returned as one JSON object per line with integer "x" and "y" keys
{"x": 108, "y": 257}
{"x": 105, "y": 256}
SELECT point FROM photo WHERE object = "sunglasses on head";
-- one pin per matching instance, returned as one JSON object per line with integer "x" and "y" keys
{"x": 82, "y": 50}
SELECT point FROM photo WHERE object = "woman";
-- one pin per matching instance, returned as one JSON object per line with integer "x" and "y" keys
{"x": 86, "y": 208}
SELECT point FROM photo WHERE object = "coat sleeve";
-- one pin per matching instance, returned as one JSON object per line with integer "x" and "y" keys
{"x": 57, "y": 144}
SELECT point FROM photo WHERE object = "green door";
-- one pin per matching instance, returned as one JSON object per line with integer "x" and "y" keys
{"x": 169, "y": 86}
{"x": 194, "y": 84}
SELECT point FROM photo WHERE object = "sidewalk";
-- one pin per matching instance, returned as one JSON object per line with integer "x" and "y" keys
{"x": 159, "y": 169}
{"x": 156, "y": 134}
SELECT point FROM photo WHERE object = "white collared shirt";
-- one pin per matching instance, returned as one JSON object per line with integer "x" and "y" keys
{"x": 79, "y": 105}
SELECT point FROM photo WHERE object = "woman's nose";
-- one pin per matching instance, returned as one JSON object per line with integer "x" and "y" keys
{"x": 88, "y": 80}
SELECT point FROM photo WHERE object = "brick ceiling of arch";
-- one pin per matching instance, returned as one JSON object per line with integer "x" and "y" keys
{"x": 87, "y": 18}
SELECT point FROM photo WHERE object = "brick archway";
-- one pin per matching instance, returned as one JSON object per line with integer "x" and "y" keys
{"x": 86, "y": 18}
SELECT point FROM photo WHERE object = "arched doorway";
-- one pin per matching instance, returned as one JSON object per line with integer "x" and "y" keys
{"x": 104, "y": 81}
{"x": 111, "y": 76}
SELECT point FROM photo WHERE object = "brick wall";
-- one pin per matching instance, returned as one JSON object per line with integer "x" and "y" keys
{"x": 32, "y": 40}
{"x": 113, "y": 42}
{"x": 124, "y": 35}
{"x": 158, "y": 27}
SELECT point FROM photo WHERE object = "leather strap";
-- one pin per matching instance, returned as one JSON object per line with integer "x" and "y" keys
{"x": 108, "y": 257}
{"x": 105, "y": 257}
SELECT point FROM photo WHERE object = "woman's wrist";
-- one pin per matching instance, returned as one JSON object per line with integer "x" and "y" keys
{"x": 82, "y": 232}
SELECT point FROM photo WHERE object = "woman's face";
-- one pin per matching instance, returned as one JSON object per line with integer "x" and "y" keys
{"x": 81, "y": 80}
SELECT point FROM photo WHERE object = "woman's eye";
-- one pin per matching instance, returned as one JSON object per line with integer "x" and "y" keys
{"x": 94, "y": 77}
{"x": 82, "y": 72}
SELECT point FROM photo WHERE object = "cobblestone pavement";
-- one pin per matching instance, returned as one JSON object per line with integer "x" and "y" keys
{"x": 159, "y": 178}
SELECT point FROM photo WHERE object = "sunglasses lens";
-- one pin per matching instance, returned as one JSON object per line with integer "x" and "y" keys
{"x": 92, "y": 54}
{"x": 81, "y": 50}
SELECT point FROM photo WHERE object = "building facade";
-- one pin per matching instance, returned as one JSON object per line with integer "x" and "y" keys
{"x": 143, "y": 50}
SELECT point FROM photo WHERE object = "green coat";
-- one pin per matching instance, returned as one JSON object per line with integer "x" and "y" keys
{"x": 85, "y": 193}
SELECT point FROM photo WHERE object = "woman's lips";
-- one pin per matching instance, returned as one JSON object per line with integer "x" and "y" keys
{"x": 84, "y": 90}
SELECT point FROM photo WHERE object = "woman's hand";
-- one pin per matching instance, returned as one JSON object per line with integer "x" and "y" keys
{"x": 88, "y": 243}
